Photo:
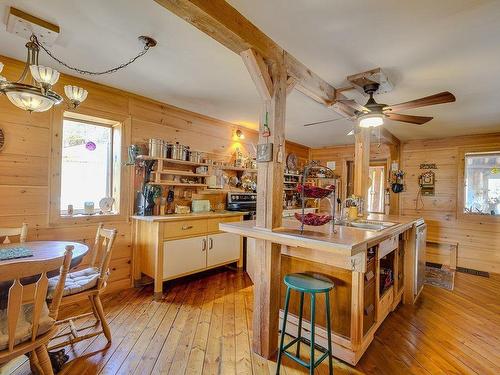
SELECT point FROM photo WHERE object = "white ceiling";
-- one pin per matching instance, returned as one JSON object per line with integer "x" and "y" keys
{"x": 425, "y": 46}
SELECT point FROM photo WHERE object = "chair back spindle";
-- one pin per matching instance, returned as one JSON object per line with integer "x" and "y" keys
{"x": 22, "y": 232}
{"x": 24, "y": 293}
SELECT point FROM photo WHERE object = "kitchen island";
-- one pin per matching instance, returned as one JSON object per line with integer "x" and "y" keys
{"x": 373, "y": 271}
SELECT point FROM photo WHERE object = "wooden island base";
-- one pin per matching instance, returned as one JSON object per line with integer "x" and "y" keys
{"x": 357, "y": 261}
{"x": 357, "y": 308}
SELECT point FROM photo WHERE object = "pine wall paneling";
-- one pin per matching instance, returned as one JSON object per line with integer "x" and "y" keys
{"x": 25, "y": 159}
{"x": 478, "y": 238}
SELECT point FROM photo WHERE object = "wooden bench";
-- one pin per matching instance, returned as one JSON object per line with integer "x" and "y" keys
{"x": 435, "y": 255}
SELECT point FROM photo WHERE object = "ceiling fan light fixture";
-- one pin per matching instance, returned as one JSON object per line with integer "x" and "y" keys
{"x": 371, "y": 120}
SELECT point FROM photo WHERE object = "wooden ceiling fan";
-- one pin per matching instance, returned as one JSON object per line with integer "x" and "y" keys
{"x": 372, "y": 114}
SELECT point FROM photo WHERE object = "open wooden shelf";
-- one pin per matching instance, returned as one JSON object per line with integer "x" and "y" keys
{"x": 173, "y": 161}
{"x": 181, "y": 173}
{"x": 239, "y": 169}
{"x": 174, "y": 183}
{"x": 292, "y": 174}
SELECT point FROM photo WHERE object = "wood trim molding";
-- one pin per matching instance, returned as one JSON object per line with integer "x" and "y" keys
{"x": 54, "y": 217}
{"x": 461, "y": 184}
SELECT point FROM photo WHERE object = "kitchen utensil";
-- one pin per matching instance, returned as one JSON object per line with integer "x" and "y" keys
{"x": 88, "y": 208}
{"x": 155, "y": 148}
{"x": 182, "y": 209}
{"x": 106, "y": 204}
{"x": 200, "y": 205}
{"x": 177, "y": 151}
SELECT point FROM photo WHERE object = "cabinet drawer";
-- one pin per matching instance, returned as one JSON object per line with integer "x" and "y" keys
{"x": 385, "y": 303}
{"x": 388, "y": 245}
{"x": 184, "y": 228}
{"x": 213, "y": 224}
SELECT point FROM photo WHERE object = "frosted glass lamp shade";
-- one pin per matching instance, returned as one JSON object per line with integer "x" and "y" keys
{"x": 1, "y": 67}
{"x": 44, "y": 75}
{"x": 75, "y": 94}
{"x": 29, "y": 101}
{"x": 371, "y": 120}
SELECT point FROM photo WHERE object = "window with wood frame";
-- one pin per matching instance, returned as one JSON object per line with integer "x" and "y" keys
{"x": 90, "y": 167}
{"x": 482, "y": 183}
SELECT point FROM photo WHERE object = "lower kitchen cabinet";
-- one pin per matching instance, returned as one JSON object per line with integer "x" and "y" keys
{"x": 188, "y": 255}
{"x": 168, "y": 247}
{"x": 184, "y": 256}
{"x": 223, "y": 248}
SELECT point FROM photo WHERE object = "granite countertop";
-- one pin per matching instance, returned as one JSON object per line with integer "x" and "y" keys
{"x": 190, "y": 216}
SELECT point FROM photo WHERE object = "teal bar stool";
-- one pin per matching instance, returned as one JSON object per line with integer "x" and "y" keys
{"x": 312, "y": 284}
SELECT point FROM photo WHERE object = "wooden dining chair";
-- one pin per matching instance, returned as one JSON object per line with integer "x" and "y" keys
{"x": 88, "y": 283}
{"x": 22, "y": 232}
{"x": 27, "y": 323}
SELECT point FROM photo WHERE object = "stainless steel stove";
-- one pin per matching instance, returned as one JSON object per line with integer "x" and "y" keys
{"x": 245, "y": 202}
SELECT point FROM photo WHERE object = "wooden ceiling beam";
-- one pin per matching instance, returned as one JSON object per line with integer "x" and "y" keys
{"x": 388, "y": 138}
{"x": 225, "y": 24}
{"x": 259, "y": 71}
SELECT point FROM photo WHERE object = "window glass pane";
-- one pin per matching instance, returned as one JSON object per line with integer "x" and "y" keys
{"x": 482, "y": 183}
{"x": 86, "y": 164}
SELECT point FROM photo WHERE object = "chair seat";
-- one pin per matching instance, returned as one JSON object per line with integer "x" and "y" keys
{"x": 76, "y": 282}
{"x": 23, "y": 329}
{"x": 308, "y": 282}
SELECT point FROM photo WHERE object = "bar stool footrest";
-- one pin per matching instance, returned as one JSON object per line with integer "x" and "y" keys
{"x": 305, "y": 341}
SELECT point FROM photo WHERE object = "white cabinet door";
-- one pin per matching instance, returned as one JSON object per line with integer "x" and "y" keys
{"x": 223, "y": 248}
{"x": 184, "y": 256}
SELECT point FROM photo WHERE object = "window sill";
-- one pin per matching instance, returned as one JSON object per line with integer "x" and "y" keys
{"x": 88, "y": 219}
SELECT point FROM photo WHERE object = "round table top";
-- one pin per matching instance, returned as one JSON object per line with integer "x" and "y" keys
{"x": 47, "y": 250}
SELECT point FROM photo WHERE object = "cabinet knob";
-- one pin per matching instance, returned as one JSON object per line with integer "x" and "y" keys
{"x": 186, "y": 227}
{"x": 203, "y": 244}
{"x": 210, "y": 243}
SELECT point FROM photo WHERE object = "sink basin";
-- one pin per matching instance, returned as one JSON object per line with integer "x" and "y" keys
{"x": 368, "y": 224}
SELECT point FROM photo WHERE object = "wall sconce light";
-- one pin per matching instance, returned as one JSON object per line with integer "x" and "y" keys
{"x": 239, "y": 134}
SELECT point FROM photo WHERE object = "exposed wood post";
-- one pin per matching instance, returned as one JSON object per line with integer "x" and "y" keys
{"x": 269, "y": 215}
{"x": 362, "y": 163}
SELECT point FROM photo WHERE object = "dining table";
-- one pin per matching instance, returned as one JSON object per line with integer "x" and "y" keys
{"x": 42, "y": 250}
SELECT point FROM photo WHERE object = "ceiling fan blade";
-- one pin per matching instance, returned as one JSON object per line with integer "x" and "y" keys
{"x": 354, "y": 105}
{"x": 323, "y": 122}
{"x": 419, "y": 120}
{"x": 442, "y": 97}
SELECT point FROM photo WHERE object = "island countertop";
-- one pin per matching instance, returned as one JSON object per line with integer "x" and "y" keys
{"x": 346, "y": 241}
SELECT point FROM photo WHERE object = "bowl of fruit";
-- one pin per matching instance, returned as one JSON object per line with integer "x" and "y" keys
{"x": 315, "y": 191}
{"x": 313, "y": 219}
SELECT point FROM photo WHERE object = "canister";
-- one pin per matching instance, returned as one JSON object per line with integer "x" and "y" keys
{"x": 155, "y": 148}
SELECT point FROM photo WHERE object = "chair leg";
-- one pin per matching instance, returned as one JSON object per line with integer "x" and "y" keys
{"x": 44, "y": 360}
{"x": 34, "y": 364}
{"x": 102, "y": 317}
{"x": 94, "y": 310}
{"x": 313, "y": 314}
{"x": 329, "y": 333}
{"x": 283, "y": 330}
{"x": 299, "y": 333}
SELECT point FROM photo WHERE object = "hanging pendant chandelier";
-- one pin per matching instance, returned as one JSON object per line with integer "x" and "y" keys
{"x": 33, "y": 92}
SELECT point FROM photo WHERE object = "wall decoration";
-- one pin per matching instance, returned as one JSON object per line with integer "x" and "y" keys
{"x": 428, "y": 166}
{"x": 397, "y": 185}
{"x": 427, "y": 181}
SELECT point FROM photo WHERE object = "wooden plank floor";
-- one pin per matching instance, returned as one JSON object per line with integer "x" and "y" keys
{"x": 203, "y": 326}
